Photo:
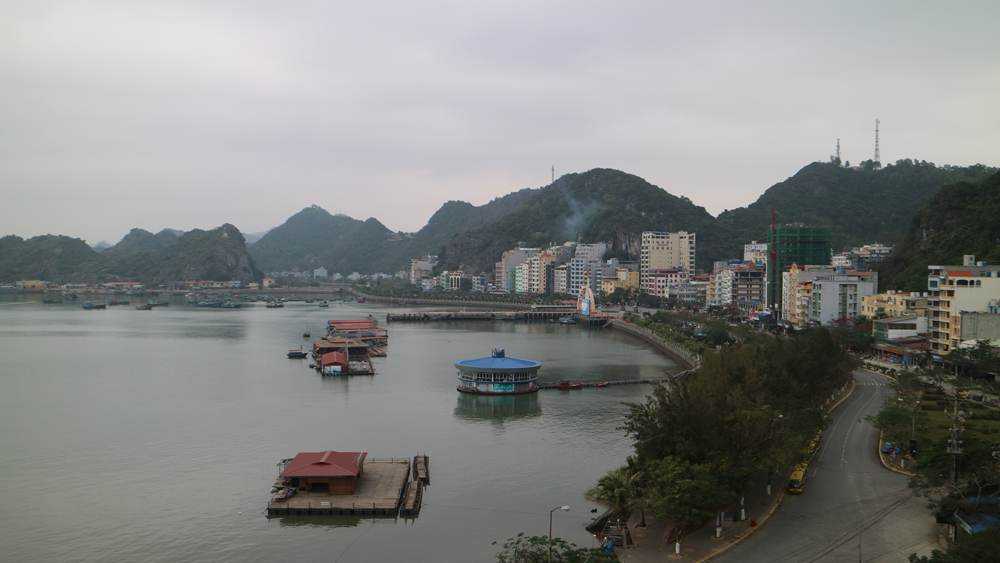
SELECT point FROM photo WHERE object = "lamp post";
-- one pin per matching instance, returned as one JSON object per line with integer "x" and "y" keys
{"x": 550, "y": 528}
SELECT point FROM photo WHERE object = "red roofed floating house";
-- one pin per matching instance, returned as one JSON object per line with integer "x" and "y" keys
{"x": 337, "y": 471}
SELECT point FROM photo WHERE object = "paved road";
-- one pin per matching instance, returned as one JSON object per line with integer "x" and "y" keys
{"x": 848, "y": 490}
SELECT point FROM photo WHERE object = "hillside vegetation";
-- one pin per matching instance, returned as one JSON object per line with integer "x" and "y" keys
{"x": 599, "y": 205}
{"x": 50, "y": 258}
{"x": 139, "y": 240}
{"x": 860, "y": 206}
{"x": 962, "y": 218}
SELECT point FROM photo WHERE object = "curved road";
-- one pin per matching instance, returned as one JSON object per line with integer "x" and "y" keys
{"x": 847, "y": 491}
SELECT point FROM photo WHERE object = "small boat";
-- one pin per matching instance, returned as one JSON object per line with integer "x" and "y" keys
{"x": 361, "y": 300}
{"x": 89, "y": 305}
{"x": 324, "y": 304}
{"x": 306, "y": 334}
{"x": 155, "y": 303}
{"x": 565, "y": 384}
{"x": 230, "y": 305}
{"x": 117, "y": 301}
{"x": 602, "y": 384}
{"x": 51, "y": 301}
{"x": 144, "y": 307}
{"x": 310, "y": 300}
{"x": 300, "y": 353}
{"x": 567, "y": 321}
{"x": 402, "y": 303}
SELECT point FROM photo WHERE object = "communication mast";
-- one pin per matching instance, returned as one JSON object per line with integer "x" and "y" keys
{"x": 553, "y": 172}
{"x": 838, "y": 150}
{"x": 878, "y": 159}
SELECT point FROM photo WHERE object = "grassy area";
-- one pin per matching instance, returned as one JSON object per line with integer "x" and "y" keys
{"x": 981, "y": 420}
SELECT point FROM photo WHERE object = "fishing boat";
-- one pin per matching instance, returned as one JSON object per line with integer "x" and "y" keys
{"x": 144, "y": 307}
{"x": 117, "y": 301}
{"x": 310, "y": 300}
{"x": 306, "y": 334}
{"x": 155, "y": 303}
{"x": 300, "y": 353}
{"x": 361, "y": 299}
{"x": 89, "y": 305}
{"x": 230, "y": 305}
{"x": 565, "y": 385}
{"x": 51, "y": 301}
{"x": 324, "y": 304}
{"x": 602, "y": 384}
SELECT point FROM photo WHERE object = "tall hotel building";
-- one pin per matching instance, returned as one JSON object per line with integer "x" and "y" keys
{"x": 665, "y": 250}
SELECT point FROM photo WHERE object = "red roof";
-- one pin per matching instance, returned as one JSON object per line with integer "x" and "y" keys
{"x": 325, "y": 464}
{"x": 334, "y": 359}
{"x": 960, "y": 273}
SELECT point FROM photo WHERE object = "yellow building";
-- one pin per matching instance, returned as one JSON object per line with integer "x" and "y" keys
{"x": 624, "y": 279}
{"x": 894, "y": 304}
{"x": 31, "y": 284}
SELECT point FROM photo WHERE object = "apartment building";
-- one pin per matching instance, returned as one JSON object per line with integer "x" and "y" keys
{"x": 659, "y": 280}
{"x": 839, "y": 296}
{"x": 954, "y": 291}
{"x": 509, "y": 260}
{"x": 659, "y": 251}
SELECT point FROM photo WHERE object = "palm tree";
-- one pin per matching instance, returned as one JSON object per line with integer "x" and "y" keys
{"x": 619, "y": 490}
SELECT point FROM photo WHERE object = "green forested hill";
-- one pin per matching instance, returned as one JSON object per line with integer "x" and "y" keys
{"x": 219, "y": 254}
{"x": 313, "y": 237}
{"x": 860, "y": 206}
{"x": 599, "y": 205}
{"x": 139, "y": 240}
{"x": 50, "y": 258}
{"x": 962, "y": 218}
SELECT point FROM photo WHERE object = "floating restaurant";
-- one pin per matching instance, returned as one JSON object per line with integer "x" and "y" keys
{"x": 498, "y": 375}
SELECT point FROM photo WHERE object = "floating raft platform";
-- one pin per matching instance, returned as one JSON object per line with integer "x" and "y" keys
{"x": 380, "y": 492}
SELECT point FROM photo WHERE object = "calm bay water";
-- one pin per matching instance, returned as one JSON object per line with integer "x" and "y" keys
{"x": 142, "y": 435}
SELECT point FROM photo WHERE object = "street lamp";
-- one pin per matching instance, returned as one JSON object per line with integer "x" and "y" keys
{"x": 550, "y": 528}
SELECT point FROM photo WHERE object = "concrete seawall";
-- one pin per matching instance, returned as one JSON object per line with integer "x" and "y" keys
{"x": 683, "y": 357}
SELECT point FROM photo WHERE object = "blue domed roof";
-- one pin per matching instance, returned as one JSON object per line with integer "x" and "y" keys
{"x": 497, "y": 361}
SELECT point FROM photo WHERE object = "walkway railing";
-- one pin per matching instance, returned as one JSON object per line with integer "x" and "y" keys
{"x": 690, "y": 360}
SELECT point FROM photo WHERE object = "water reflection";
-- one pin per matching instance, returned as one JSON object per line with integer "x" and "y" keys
{"x": 497, "y": 409}
{"x": 318, "y": 520}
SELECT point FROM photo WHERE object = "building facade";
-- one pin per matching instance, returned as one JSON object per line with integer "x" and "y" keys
{"x": 661, "y": 250}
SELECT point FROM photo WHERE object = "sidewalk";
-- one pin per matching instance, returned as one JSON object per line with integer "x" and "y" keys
{"x": 653, "y": 543}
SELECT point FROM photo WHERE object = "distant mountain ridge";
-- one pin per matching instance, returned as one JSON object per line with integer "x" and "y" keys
{"x": 860, "y": 206}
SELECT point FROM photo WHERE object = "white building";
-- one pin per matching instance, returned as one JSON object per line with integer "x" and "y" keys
{"x": 837, "y": 296}
{"x": 320, "y": 272}
{"x": 508, "y": 261}
{"x": 956, "y": 291}
{"x": 420, "y": 268}
{"x": 755, "y": 252}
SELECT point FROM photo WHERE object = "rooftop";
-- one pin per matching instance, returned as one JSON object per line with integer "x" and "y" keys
{"x": 325, "y": 464}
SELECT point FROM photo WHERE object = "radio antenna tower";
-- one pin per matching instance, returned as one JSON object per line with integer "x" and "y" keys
{"x": 878, "y": 158}
{"x": 553, "y": 172}
{"x": 838, "y": 151}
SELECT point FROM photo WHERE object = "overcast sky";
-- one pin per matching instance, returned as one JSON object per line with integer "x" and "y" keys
{"x": 176, "y": 114}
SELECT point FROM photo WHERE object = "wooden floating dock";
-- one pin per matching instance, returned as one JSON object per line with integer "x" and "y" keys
{"x": 414, "y": 498}
{"x": 420, "y": 469}
{"x": 380, "y": 492}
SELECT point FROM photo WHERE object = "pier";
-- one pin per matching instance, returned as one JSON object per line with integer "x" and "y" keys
{"x": 436, "y": 316}
{"x": 420, "y": 469}
{"x": 601, "y": 384}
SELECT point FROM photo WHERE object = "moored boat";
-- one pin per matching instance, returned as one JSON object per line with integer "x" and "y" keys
{"x": 90, "y": 305}
{"x": 155, "y": 303}
{"x": 565, "y": 384}
{"x": 300, "y": 353}
{"x": 144, "y": 307}
{"x": 51, "y": 301}
{"x": 230, "y": 305}
{"x": 324, "y": 304}
{"x": 117, "y": 301}
{"x": 567, "y": 321}
{"x": 602, "y": 384}
{"x": 361, "y": 300}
